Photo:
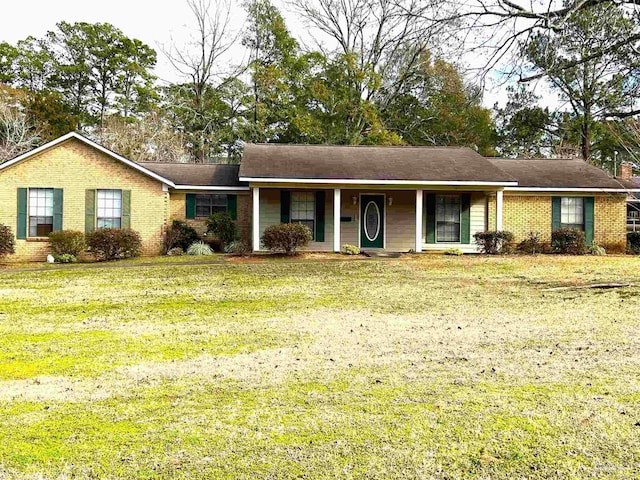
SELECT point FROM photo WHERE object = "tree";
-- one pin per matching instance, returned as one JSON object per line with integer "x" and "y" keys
{"x": 368, "y": 35}
{"x": 99, "y": 70}
{"x": 200, "y": 65}
{"x": 434, "y": 106}
{"x": 149, "y": 138}
{"x": 17, "y": 135}
{"x": 500, "y": 28}
{"x": 596, "y": 88}
{"x": 524, "y": 129}
{"x": 274, "y": 66}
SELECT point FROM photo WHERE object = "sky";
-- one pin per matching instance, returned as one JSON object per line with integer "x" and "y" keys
{"x": 158, "y": 24}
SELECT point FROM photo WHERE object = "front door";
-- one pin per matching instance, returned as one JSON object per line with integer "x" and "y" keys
{"x": 372, "y": 221}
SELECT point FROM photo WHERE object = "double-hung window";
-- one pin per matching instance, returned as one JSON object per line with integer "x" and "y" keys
{"x": 303, "y": 209}
{"x": 109, "y": 209}
{"x": 40, "y": 212}
{"x": 448, "y": 214}
{"x": 208, "y": 204}
{"x": 572, "y": 212}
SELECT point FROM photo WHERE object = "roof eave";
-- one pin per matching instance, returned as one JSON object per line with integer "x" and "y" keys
{"x": 212, "y": 187}
{"x": 351, "y": 181}
{"x": 570, "y": 189}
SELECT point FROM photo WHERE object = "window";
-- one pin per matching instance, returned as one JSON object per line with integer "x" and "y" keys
{"x": 303, "y": 209}
{"x": 206, "y": 205}
{"x": 109, "y": 208}
{"x": 572, "y": 212}
{"x": 40, "y": 212}
{"x": 448, "y": 218}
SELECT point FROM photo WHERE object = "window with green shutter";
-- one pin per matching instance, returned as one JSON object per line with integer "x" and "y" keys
{"x": 574, "y": 212}
{"x": 41, "y": 212}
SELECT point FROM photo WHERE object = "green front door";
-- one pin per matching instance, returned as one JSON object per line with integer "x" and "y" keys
{"x": 372, "y": 221}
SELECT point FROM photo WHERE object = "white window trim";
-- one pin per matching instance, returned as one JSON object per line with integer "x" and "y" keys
{"x": 97, "y": 207}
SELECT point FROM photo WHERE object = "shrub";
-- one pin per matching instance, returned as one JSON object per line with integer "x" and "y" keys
{"x": 349, "y": 249}
{"x": 7, "y": 241}
{"x": 113, "y": 243}
{"x": 67, "y": 242}
{"x": 222, "y": 226}
{"x": 532, "y": 244}
{"x": 286, "y": 238}
{"x": 237, "y": 247}
{"x": 199, "y": 248}
{"x": 179, "y": 234}
{"x": 175, "y": 252}
{"x": 64, "y": 258}
{"x": 597, "y": 250}
{"x": 453, "y": 251}
{"x": 494, "y": 242}
{"x": 568, "y": 241}
{"x": 633, "y": 242}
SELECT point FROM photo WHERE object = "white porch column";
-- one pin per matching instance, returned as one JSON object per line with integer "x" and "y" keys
{"x": 418, "y": 221}
{"x": 255, "y": 224}
{"x": 499, "y": 199}
{"x": 336, "y": 219}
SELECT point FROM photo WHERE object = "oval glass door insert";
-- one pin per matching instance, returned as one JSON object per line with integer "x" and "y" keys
{"x": 371, "y": 221}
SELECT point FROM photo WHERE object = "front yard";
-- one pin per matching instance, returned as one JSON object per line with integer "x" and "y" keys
{"x": 418, "y": 367}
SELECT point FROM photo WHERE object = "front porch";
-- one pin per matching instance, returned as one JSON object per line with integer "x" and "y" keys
{"x": 380, "y": 219}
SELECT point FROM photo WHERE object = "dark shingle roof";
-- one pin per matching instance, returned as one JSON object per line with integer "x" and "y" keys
{"x": 223, "y": 175}
{"x": 559, "y": 173}
{"x": 440, "y": 164}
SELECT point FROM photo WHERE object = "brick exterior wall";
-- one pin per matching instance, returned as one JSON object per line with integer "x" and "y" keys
{"x": 491, "y": 212}
{"x": 178, "y": 209}
{"x": 526, "y": 213}
{"x": 75, "y": 167}
{"x": 610, "y": 222}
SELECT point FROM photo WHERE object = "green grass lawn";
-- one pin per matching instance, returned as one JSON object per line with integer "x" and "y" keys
{"x": 423, "y": 367}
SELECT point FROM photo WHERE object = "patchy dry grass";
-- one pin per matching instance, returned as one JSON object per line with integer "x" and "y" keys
{"x": 420, "y": 367}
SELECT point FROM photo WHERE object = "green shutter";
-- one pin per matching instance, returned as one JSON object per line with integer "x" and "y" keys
{"x": 89, "y": 210}
{"x": 126, "y": 209}
{"x": 21, "y": 232}
{"x": 232, "y": 206}
{"x": 320, "y": 195}
{"x": 285, "y": 206}
{"x": 589, "y": 219}
{"x": 431, "y": 217}
{"x": 58, "y": 201}
{"x": 191, "y": 206}
{"x": 465, "y": 219}
{"x": 555, "y": 213}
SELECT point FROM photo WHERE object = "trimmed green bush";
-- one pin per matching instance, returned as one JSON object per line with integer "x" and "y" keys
{"x": 67, "y": 242}
{"x": 7, "y": 241}
{"x": 199, "y": 248}
{"x": 286, "y": 238}
{"x": 179, "y": 234}
{"x": 65, "y": 258}
{"x": 349, "y": 249}
{"x": 453, "y": 251}
{"x": 633, "y": 242}
{"x": 532, "y": 244}
{"x": 223, "y": 227}
{"x": 113, "y": 243}
{"x": 494, "y": 242}
{"x": 568, "y": 241}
